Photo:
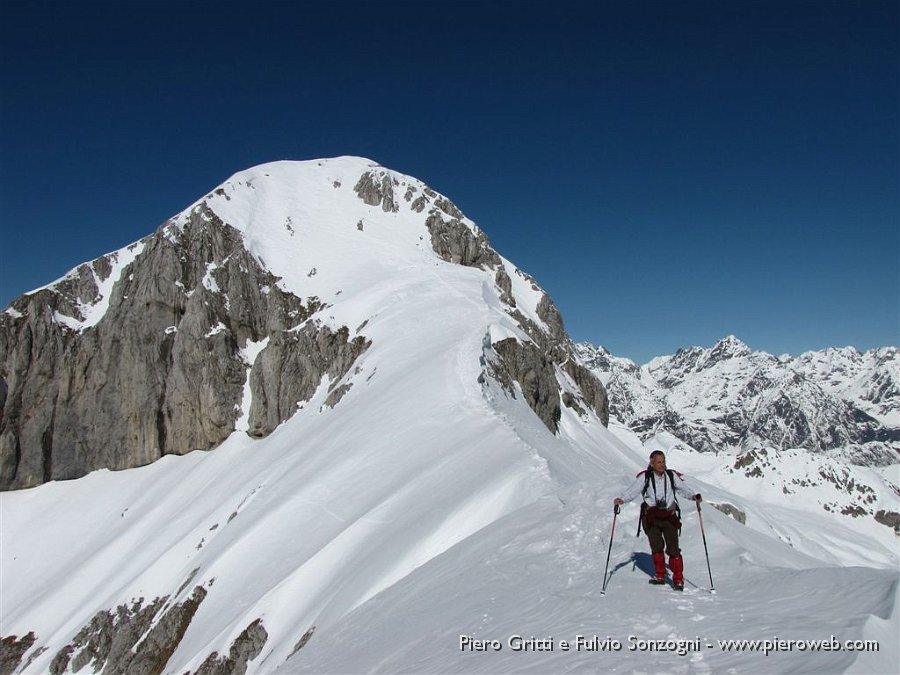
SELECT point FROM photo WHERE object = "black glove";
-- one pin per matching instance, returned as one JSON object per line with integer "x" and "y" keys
{"x": 697, "y": 498}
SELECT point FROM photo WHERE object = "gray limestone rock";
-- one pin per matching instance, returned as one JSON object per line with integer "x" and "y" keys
{"x": 246, "y": 647}
{"x": 155, "y": 650}
{"x": 291, "y": 367}
{"x": 593, "y": 394}
{"x": 449, "y": 208}
{"x": 130, "y": 640}
{"x": 529, "y": 366}
{"x": 548, "y": 313}
{"x": 12, "y": 649}
{"x": 504, "y": 283}
{"x": 455, "y": 242}
{"x": 731, "y": 510}
{"x": 550, "y": 344}
{"x": 61, "y": 661}
{"x": 419, "y": 204}
{"x": 376, "y": 188}
{"x": 570, "y": 401}
{"x": 889, "y": 518}
{"x": 161, "y": 372}
{"x": 304, "y": 639}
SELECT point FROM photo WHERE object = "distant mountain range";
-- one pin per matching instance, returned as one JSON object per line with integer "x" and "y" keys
{"x": 730, "y": 398}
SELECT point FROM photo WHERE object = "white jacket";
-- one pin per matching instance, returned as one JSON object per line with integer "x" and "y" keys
{"x": 663, "y": 489}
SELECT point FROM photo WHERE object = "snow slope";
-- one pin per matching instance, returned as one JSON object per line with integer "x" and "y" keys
{"x": 427, "y": 504}
{"x": 537, "y": 575}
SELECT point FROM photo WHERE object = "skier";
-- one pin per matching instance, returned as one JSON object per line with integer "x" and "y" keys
{"x": 660, "y": 515}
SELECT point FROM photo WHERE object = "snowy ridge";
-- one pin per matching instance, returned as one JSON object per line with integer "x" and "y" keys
{"x": 430, "y": 501}
{"x": 92, "y": 284}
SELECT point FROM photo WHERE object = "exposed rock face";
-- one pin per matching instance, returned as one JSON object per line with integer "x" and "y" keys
{"x": 534, "y": 364}
{"x": 530, "y": 367}
{"x": 541, "y": 366}
{"x": 246, "y": 647}
{"x": 376, "y": 188}
{"x": 138, "y": 639}
{"x": 162, "y": 371}
{"x": 504, "y": 283}
{"x": 889, "y": 518}
{"x": 12, "y": 649}
{"x": 733, "y": 511}
{"x": 541, "y": 376}
{"x": 797, "y": 425}
{"x": 304, "y": 640}
{"x": 455, "y": 242}
{"x": 592, "y": 391}
{"x": 128, "y": 641}
{"x": 291, "y": 367}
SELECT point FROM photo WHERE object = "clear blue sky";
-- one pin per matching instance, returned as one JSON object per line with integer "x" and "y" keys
{"x": 671, "y": 172}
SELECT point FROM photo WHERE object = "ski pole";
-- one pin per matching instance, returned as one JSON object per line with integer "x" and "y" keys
{"x": 638, "y": 534}
{"x": 612, "y": 533}
{"x": 712, "y": 586}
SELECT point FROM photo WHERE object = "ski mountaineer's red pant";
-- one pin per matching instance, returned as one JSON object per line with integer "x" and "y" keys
{"x": 664, "y": 535}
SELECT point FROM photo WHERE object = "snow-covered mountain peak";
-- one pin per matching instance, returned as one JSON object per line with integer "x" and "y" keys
{"x": 728, "y": 347}
{"x": 280, "y": 258}
{"x": 821, "y": 400}
{"x": 321, "y": 227}
{"x": 321, "y": 224}
{"x": 375, "y": 381}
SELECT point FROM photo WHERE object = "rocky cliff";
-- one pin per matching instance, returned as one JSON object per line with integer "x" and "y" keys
{"x": 163, "y": 370}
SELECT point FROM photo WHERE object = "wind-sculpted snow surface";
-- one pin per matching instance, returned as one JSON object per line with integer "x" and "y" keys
{"x": 378, "y": 548}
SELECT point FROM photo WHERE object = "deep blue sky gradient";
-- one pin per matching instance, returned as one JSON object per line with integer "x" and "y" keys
{"x": 670, "y": 172}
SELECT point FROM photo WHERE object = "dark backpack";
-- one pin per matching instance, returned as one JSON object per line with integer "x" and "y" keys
{"x": 644, "y": 508}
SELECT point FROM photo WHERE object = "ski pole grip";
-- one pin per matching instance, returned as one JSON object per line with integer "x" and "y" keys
{"x": 616, "y": 509}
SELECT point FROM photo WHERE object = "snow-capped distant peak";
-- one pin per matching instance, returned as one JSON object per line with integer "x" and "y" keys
{"x": 730, "y": 346}
{"x": 729, "y": 397}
